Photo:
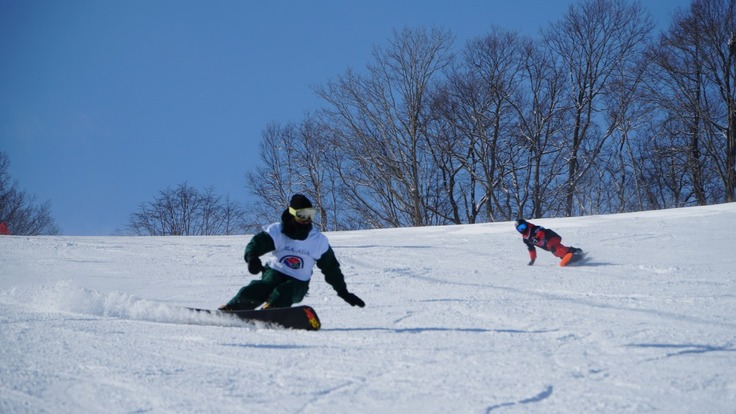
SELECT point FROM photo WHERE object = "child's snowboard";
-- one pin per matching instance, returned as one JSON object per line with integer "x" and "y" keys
{"x": 578, "y": 257}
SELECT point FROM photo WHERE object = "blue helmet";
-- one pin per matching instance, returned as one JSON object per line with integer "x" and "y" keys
{"x": 522, "y": 226}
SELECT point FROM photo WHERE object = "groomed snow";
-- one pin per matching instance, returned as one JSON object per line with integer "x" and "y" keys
{"x": 455, "y": 322}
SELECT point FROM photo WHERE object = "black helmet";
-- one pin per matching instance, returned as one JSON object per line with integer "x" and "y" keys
{"x": 301, "y": 209}
{"x": 297, "y": 218}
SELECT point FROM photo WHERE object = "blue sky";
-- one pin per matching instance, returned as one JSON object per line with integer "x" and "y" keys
{"x": 103, "y": 103}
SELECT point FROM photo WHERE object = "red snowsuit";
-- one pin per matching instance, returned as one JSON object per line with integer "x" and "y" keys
{"x": 545, "y": 239}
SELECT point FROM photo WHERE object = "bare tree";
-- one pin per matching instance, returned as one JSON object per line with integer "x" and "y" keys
{"x": 186, "y": 211}
{"x": 380, "y": 123}
{"x": 316, "y": 154}
{"x": 298, "y": 158}
{"x": 693, "y": 86}
{"x": 19, "y": 211}
{"x": 543, "y": 126}
{"x": 582, "y": 121}
{"x": 279, "y": 177}
{"x": 712, "y": 24}
{"x": 475, "y": 106}
{"x": 617, "y": 175}
{"x": 593, "y": 39}
{"x": 458, "y": 192}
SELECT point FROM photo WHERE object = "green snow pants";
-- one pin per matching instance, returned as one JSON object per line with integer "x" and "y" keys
{"x": 274, "y": 288}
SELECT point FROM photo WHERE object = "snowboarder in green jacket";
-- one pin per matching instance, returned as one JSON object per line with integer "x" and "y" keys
{"x": 296, "y": 247}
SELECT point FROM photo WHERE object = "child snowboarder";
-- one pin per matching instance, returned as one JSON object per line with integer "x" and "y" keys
{"x": 546, "y": 239}
{"x": 296, "y": 247}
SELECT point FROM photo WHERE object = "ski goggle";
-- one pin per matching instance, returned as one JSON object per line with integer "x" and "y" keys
{"x": 521, "y": 228}
{"x": 303, "y": 214}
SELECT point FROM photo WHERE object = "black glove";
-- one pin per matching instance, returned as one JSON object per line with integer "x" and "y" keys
{"x": 531, "y": 262}
{"x": 351, "y": 298}
{"x": 254, "y": 265}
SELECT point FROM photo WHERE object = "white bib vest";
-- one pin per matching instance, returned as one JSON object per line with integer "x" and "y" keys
{"x": 295, "y": 258}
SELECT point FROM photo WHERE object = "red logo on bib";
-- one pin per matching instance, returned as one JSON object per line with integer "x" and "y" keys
{"x": 292, "y": 262}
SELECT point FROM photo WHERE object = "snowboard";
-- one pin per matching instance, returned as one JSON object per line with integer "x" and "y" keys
{"x": 577, "y": 258}
{"x": 298, "y": 317}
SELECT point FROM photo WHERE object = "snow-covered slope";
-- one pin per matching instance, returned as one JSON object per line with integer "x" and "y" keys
{"x": 455, "y": 322}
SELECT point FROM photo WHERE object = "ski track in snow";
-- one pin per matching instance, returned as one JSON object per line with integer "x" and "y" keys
{"x": 455, "y": 322}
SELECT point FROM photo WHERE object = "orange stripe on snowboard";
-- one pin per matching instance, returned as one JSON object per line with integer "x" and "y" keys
{"x": 566, "y": 259}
